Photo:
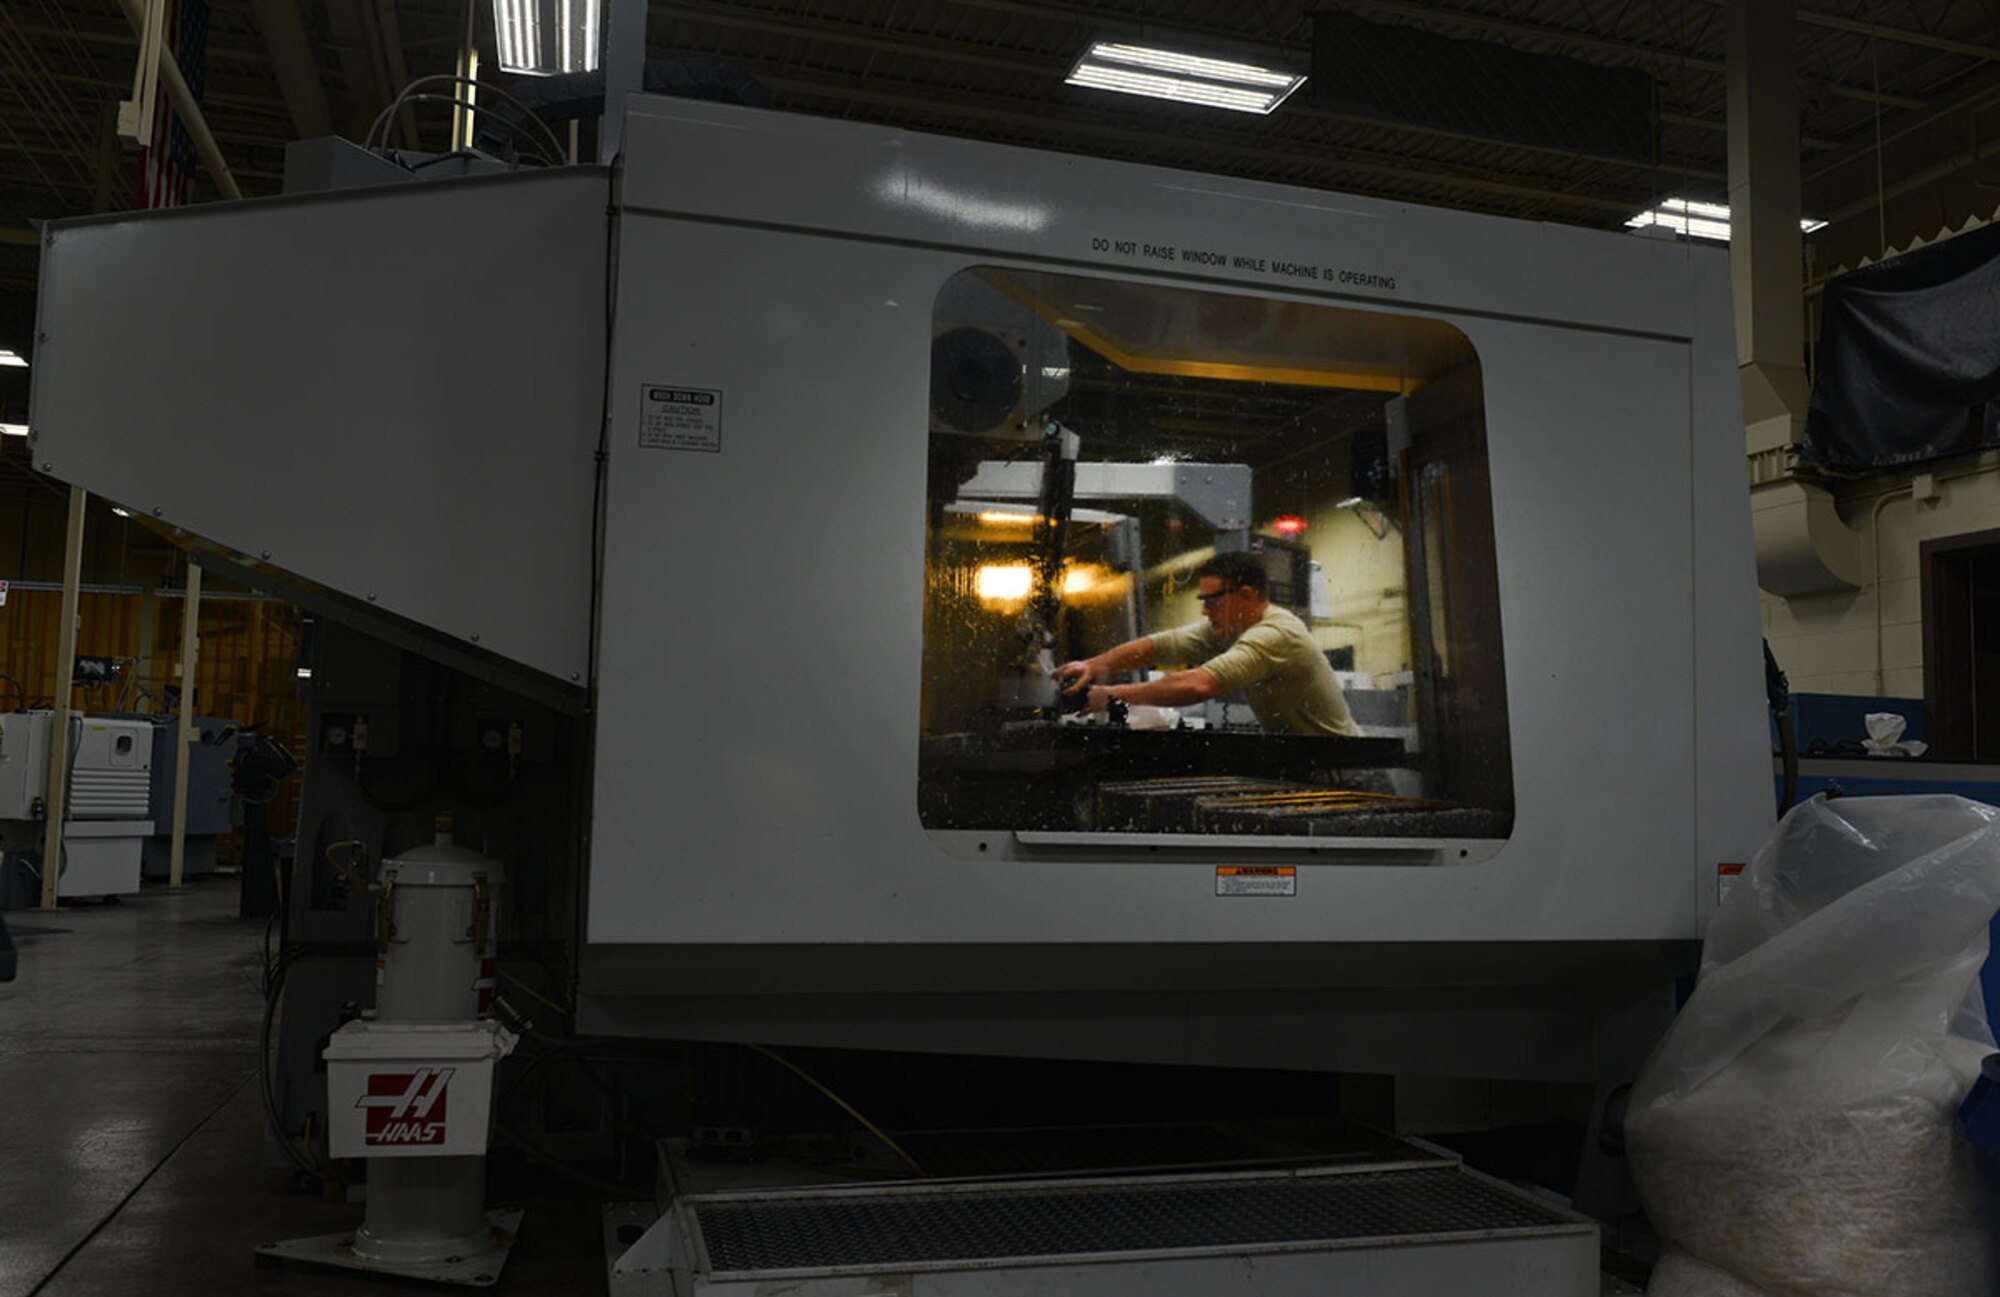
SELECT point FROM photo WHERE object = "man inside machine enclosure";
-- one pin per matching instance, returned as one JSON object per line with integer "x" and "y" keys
{"x": 1244, "y": 644}
{"x": 1104, "y": 455}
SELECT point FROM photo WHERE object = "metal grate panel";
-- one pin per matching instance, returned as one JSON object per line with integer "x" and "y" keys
{"x": 931, "y": 1227}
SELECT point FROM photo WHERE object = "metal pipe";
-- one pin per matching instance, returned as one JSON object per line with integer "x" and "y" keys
{"x": 187, "y": 108}
{"x": 624, "y": 64}
{"x": 391, "y": 34}
{"x": 56, "y": 801}
{"x": 290, "y": 52}
{"x": 184, "y": 721}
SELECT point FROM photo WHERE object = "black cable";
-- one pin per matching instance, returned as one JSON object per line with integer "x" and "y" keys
{"x": 585, "y": 766}
{"x": 267, "y": 1081}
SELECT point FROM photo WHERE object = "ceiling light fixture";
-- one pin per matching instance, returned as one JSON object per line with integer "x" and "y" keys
{"x": 1188, "y": 78}
{"x": 13, "y": 429}
{"x": 540, "y": 38}
{"x": 12, "y": 359}
{"x": 1698, "y": 220}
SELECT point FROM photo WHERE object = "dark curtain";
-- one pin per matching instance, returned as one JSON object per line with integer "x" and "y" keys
{"x": 1909, "y": 357}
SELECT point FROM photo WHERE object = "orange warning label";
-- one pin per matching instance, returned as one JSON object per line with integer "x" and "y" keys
{"x": 1256, "y": 880}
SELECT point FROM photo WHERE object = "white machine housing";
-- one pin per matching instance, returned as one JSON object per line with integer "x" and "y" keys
{"x": 106, "y": 806}
{"x": 757, "y": 864}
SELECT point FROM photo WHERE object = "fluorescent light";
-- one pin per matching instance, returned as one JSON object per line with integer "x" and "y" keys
{"x": 1698, "y": 220}
{"x": 305, "y": 673}
{"x": 13, "y": 429}
{"x": 122, "y": 513}
{"x": 12, "y": 359}
{"x": 544, "y": 37}
{"x": 1192, "y": 65}
{"x": 1187, "y": 78}
{"x": 1007, "y": 517}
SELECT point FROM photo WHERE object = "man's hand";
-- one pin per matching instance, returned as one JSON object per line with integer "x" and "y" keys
{"x": 1075, "y": 676}
{"x": 1097, "y": 699}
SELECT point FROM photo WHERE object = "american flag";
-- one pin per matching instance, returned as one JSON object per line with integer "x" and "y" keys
{"x": 167, "y": 162}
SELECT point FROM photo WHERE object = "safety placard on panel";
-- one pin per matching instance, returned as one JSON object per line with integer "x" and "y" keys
{"x": 680, "y": 418}
{"x": 1725, "y": 879}
{"x": 1256, "y": 880}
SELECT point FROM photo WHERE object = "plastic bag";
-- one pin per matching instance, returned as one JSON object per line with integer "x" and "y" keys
{"x": 1793, "y": 1134}
{"x": 1885, "y": 737}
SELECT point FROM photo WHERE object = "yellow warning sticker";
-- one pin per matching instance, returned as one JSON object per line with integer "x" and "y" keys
{"x": 1256, "y": 880}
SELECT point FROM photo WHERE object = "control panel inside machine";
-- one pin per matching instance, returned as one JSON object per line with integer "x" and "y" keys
{"x": 1095, "y": 446}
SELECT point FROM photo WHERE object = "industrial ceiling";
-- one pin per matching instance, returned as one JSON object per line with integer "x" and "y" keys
{"x": 1900, "y": 101}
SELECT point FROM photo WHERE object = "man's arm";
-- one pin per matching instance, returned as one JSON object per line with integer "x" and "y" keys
{"x": 1178, "y": 689}
{"x": 1132, "y": 655}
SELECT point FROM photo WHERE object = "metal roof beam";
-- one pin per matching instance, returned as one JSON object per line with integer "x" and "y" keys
{"x": 1896, "y": 35}
{"x": 1666, "y": 59}
{"x": 1818, "y": 142}
{"x": 713, "y": 13}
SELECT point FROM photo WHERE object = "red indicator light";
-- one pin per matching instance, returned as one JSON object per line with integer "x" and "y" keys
{"x": 1289, "y": 524}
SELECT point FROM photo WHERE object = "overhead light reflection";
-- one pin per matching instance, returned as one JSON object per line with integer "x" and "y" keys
{"x": 905, "y": 190}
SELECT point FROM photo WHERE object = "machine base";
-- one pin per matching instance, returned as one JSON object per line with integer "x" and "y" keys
{"x": 1422, "y": 1227}
{"x": 477, "y": 1270}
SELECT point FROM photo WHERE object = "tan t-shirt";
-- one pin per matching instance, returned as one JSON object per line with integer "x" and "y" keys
{"x": 1275, "y": 664}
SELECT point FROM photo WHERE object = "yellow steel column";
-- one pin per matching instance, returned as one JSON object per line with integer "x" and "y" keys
{"x": 183, "y": 721}
{"x": 56, "y": 801}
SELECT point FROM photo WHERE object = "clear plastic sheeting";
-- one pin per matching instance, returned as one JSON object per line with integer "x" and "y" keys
{"x": 1793, "y": 1134}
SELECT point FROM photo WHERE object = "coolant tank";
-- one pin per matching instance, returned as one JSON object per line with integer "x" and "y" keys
{"x": 435, "y": 934}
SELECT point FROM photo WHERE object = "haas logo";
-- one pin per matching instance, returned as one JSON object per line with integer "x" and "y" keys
{"x": 403, "y": 1108}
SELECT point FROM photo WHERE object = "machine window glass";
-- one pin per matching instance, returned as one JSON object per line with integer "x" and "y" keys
{"x": 1102, "y": 455}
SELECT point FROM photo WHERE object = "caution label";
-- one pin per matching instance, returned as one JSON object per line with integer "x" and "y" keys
{"x": 1256, "y": 880}
{"x": 1725, "y": 879}
{"x": 680, "y": 418}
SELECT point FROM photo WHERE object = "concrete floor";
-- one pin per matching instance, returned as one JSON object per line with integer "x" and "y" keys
{"x": 131, "y": 1134}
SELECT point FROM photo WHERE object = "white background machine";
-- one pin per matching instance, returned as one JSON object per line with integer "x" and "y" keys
{"x": 108, "y": 816}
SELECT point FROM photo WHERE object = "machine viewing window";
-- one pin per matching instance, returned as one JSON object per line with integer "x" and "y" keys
{"x": 1207, "y": 563}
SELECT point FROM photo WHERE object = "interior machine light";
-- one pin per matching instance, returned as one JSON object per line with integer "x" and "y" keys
{"x": 1189, "y": 78}
{"x": 1004, "y": 582}
{"x": 11, "y": 359}
{"x": 1006, "y": 517}
{"x": 541, "y": 38}
{"x": 1697, "y": 220}
{"x": 13, "y": 429}
{"x": 1082, "y": 578}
